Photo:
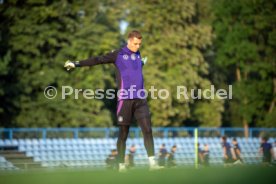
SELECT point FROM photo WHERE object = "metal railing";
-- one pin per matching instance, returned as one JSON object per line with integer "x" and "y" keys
{"x": 135, "y": 132}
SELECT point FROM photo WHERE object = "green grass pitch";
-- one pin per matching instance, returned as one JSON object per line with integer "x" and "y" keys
{"x": 220, "y": 175}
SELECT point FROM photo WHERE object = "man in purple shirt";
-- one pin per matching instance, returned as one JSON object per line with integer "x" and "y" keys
{"x": 131, "y": 99}
{"x": 227, "y": 152}
{"x": 266, "y": 150}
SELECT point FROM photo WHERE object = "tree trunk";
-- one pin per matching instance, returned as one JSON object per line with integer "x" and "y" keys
{"x": 238, "y": 74}
{"x": 244, "y": 121}
{"x": 245, "y": 127}
{"x": 272, "y": 104}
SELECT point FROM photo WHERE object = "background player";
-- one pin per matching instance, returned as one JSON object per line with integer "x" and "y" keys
{"x": 266, "y": 151}
{"x": 237, "y": 152}
{"x": 227, "y": 153}
{"x": 130, "y": 157}
{"x": 163, "y": 153}
{"x": 171, "y": 159}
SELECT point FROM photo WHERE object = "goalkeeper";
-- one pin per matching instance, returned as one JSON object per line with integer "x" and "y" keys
{"x": 128, "y": 63}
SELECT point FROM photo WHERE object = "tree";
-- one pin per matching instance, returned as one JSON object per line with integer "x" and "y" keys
{"x": 39, "y": 37}
{"x": 175, "y": 42}
{"x": 245, "y": 45}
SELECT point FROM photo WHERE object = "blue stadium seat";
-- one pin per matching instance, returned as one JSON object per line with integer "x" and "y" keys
{"x": 93, "y": 152}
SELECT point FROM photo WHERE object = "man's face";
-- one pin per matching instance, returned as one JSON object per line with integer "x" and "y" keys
{"x": 134, "y": 44}
{"x": 133, "y": 149}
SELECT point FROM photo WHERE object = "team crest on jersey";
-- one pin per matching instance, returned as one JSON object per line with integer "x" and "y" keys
{"x": 125, "y": 57}
{"x": 133, "y": 56}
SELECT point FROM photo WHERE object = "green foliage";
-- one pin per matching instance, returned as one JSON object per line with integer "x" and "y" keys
{"x": 190, "y": 43}
{"x": 245, "y": 50}
{"x": 175, "y": 41}
{"x": 41, "y": 36}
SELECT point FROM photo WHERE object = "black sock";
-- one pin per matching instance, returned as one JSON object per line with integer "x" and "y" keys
{"x": 121, "y": 142}
{"x": 145, "y": 125}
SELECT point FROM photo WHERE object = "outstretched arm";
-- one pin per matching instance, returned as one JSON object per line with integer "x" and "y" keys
{"x": 105, "y": 59}
{"x": 108, "y": 58}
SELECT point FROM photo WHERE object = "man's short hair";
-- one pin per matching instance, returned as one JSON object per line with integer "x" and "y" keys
{"x": 134, "y": 34}
{"x": 265, "y": 138}
{"x": 224, "y": 138}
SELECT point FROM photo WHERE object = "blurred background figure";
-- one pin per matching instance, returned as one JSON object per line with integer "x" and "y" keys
{"x": 205, "y": 155}
{"x": 171, "y": 159}
{"x": 162, "y": 155}
{"x": 199, "y": 154}
{"x": 130, "y": 157}
{"x": 274, "y": 154}
{"x": 266, "y": 151}
{"x": 112, "y": 160}
{"x": 237, "y": 152}
{"x": 227, "y": 154}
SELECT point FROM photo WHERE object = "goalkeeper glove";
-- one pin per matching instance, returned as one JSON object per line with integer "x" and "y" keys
{"x": 144, "y": 60}
{"x": 70, "y": 64}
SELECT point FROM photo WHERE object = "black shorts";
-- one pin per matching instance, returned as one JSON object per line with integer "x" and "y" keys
{"x": 126, "y": 109}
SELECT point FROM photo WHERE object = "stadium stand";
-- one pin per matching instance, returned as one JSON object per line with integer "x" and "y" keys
{"x": 92, "y": 152}
{"x": 5, "y": 165}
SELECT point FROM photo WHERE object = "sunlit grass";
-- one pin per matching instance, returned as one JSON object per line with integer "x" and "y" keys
{"x": 220, "y": 175}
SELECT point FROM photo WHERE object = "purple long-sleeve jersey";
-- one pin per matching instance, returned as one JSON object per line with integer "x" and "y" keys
{"x": 129, "y": 71}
